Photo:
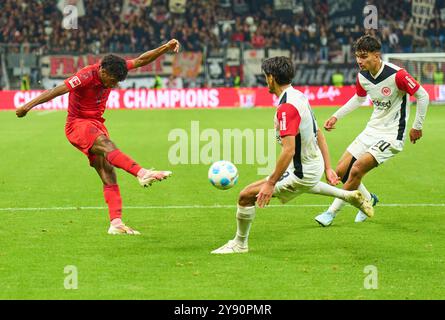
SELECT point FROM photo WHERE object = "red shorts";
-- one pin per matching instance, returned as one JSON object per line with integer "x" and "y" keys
{"x": 83, "y": 132}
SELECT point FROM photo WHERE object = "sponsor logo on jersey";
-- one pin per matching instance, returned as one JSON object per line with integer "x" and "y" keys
{"x": 382, "y": 105}
{"x": 74, "y": 82}
{"x": 386, "y": 91}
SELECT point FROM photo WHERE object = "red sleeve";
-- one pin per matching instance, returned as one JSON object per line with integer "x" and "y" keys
{"x": 359, "y": 89}
{"x": 80, "y": 79}
{"x": 288, "y": 120}
{"x": 406, "y": 82}
{"x": 130, "y": 64}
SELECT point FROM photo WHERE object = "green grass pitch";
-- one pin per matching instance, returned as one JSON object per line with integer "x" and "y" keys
{"x": 290, "y": 256}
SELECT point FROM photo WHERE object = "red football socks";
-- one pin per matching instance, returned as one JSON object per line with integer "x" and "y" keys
{"x": 122, "y": 161}
{"x": 114, "y": 201}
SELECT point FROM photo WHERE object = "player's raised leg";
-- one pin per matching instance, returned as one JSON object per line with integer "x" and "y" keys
{"x": 354, "y": 197}
{"x": 361, "y": 167}
{"x": 112, "y": 195}
{"x": 244, "y": 217}
{"x": 355, "y": 171}
{"x": 103, "y": 146}
{"x": 343, "y": 168}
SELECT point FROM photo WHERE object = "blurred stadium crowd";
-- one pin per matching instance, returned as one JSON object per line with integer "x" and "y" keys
{"x": 214, "y": 23}
{"x": 223, "y": 41}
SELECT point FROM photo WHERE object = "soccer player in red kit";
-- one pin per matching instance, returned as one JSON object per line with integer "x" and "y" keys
{"x": 88, "y": 93}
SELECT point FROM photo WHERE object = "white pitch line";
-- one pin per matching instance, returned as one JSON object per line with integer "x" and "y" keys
{"x": 215, "y": 207}
{"x": 45, "y": 112}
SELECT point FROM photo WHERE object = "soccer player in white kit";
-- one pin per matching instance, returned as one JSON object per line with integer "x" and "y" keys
{"x": 304, "y": 157}
{"x": 389, "y": 87}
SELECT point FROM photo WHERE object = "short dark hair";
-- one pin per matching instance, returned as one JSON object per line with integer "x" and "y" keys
{"x": 367, "y": 43}
{"x": 281, "y": 68}
{"x": 115, "y": 66}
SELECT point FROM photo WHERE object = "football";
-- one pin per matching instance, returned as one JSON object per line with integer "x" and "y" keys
{"x": 223, "y": 174}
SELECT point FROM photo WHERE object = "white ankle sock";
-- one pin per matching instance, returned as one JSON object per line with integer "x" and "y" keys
{"x": 116, "y": 222}
{"x": 364, "y": 191}
{"x": 336, "y": 206}
{"x": 244, "y": 218}
{"x": 141, "y": 172}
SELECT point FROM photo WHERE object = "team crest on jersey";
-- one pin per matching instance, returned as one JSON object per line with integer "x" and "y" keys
{"x": 386, "y": 91}
{"x": 74, "y": 82}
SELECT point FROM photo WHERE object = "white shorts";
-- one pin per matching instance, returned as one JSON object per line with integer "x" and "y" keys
{"x": 290, "y": 186}
{"x": 382, "y": 148}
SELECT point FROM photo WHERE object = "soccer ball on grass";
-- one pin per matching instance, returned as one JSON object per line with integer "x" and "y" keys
{"x": 223, "y": 174}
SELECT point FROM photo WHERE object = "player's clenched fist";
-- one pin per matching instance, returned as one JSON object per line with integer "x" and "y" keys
{"x": 415, "y": 135}
{"x": 22, "y": 111}
{"x": 173, "y": 45}
{"x": 330, "y": 123}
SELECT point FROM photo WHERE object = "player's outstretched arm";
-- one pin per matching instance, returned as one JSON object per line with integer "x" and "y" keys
{"x": 44, "y": 97}
{"x": 331, "y": 176}
{"x": 405, "y": 82}
{"x": 152, "y": 55}
{"x": 287, "y": 153}
{"x": 423, "y": 100}
{"x": 353, "y": 103}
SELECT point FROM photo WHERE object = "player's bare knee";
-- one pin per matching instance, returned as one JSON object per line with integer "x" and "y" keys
{"x": 246, "y": 198}
{"x": 356, "y": 172}
{"x": 342, "y": 168}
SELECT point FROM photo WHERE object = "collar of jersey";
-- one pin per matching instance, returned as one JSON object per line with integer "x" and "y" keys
{"x": 380, "y": 70}
{"x": 284, "y": 92}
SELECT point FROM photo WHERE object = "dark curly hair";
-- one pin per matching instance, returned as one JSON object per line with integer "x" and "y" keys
{"x": 115, "y": 66}
{"x": 281, "y": 68}
{"x": 367, "y": 43}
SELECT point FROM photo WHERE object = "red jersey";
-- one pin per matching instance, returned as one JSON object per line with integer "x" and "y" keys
{"x": 87, "y": 94}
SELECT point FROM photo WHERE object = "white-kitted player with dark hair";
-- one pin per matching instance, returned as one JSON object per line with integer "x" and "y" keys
{"x": 303, "y": 159}
{"x": 389, "y": 87}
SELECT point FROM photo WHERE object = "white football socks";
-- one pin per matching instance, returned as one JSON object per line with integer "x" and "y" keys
{"x": 244, "y": 218}
{"x": 328, "y": 190}
{"x": 364, "y": 191}
{"x": 338, "y": 204}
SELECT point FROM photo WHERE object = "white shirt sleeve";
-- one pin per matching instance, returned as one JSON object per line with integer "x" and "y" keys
{"x": 353, "y": 103}
{"x": 423, "y": 99}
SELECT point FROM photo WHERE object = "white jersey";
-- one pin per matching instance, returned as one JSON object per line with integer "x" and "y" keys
{"x": 294, "y": 117}
{"x": 388, "y": 90}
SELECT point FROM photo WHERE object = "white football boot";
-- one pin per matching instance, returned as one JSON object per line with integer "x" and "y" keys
{"x": 360, "y": 217}
{"x": 151, "y": 176}
{"x": 357, "y": 199}
{"x": 231, "y": 247}
{"x": 325, "y": 219}
{"x": 122, "y": 229}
